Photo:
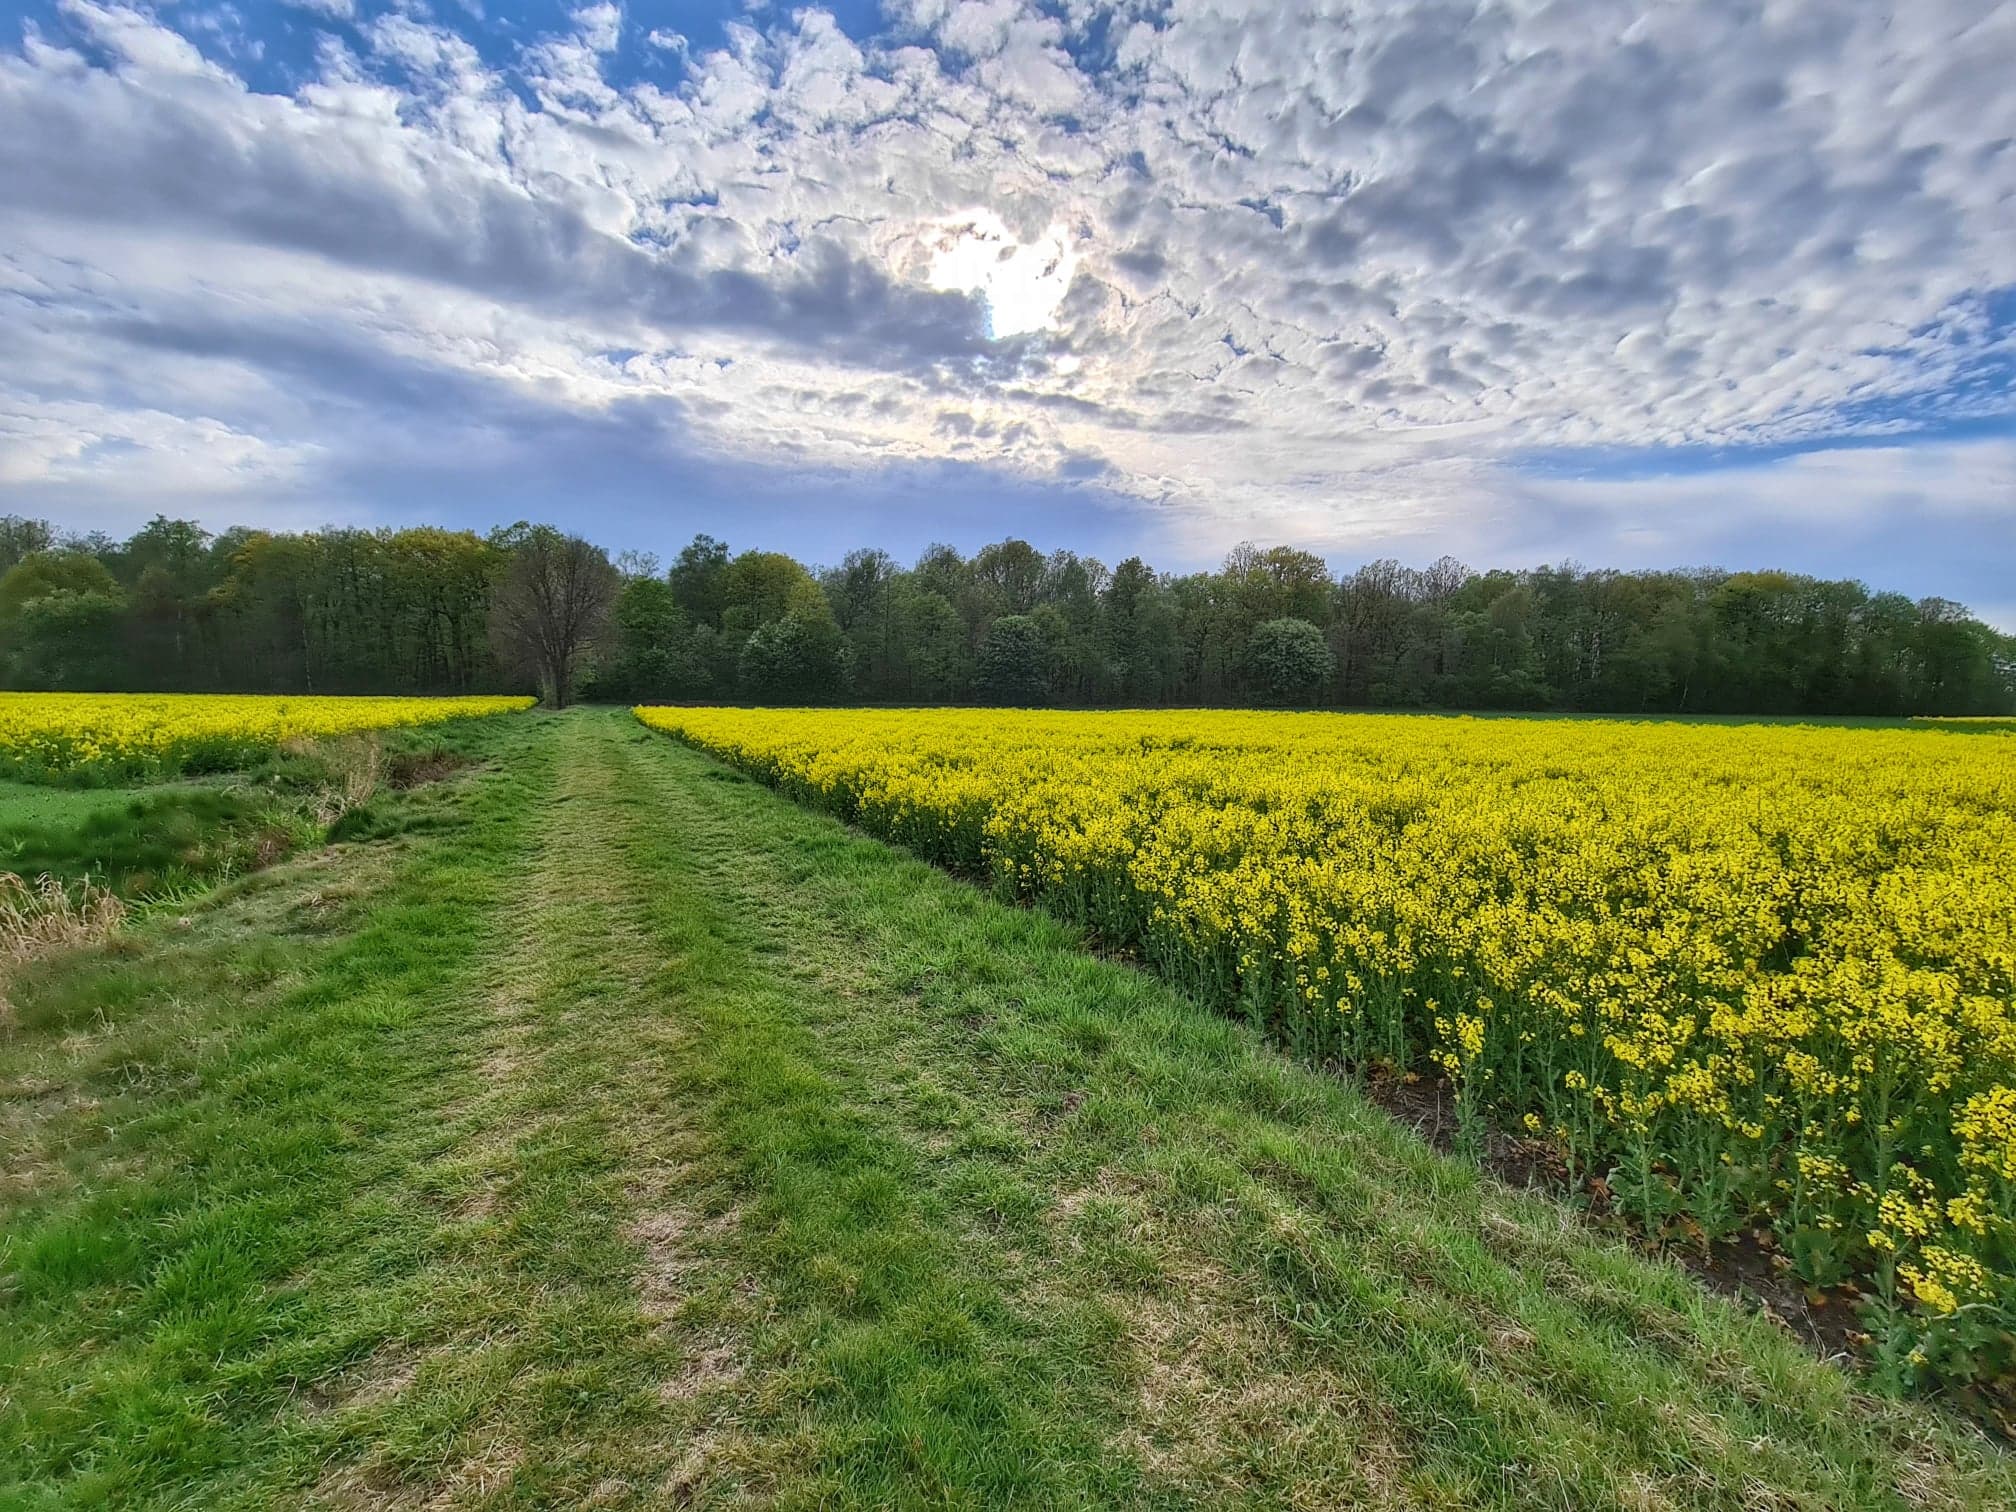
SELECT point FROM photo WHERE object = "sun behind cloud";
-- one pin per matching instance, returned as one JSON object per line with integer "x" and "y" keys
{"x": 1022, "y": 283}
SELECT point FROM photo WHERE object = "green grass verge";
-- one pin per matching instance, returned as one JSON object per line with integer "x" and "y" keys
{"x": 27, "y": 804}
{"x": 167, "y": 840}
{"x": 174, "y": 838}
{"x": 599, "y": 1129}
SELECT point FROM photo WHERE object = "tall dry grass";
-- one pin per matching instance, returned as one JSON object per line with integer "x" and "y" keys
{"x": 44, "y": 915}
{"x": 355, "y": 765}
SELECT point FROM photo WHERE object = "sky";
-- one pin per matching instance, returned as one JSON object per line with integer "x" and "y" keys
{"x": 1625, "y": 284}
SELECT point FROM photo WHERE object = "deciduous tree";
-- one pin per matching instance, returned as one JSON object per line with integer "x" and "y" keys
{"x": 551, "y": 606}
{"x": 1288, "y": 661}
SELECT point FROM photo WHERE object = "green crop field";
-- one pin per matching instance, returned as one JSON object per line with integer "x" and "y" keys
{"x": 32, "y": 804}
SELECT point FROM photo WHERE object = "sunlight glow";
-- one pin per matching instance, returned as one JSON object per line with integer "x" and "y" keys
{"x": 1023, "y": 283}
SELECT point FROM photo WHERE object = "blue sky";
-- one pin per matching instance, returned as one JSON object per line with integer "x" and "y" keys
{"x": 1518, "y": 281}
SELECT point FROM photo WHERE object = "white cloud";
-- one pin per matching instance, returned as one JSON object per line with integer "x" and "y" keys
{"x": 1842, "y": 486}
{"x": 143, "y": 453}
{"x": 1324, "y": 271}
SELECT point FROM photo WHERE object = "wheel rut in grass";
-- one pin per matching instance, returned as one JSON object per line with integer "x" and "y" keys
{"x": 603, "y": 1343}
{"x": 241, "y": 1237}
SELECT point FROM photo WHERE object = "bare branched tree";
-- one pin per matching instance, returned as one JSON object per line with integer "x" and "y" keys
{"x": 551, "y": 606}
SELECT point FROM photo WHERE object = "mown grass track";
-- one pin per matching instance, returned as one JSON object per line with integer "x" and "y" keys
{"x": 608, "y": 1131}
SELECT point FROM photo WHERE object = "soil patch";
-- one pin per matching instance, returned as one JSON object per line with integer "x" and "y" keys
{"x": 405, "y": 770}
{"x": 1749, "y": 1268}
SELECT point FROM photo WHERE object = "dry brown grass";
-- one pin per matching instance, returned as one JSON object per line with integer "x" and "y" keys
{"x": 355, "y": 763}
{"x": 44, "y": 915}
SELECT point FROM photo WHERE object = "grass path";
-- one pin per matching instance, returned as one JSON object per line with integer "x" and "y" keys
{"x": 606, "y": 1131}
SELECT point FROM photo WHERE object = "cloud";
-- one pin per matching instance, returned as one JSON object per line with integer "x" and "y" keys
{"x": 376, "y": 195}
{"x": 1831, "y": 499}
{"x": 1330, "y": 271}
{"x": 1840, "y": 487}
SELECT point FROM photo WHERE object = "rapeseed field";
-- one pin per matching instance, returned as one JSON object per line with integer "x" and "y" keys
{"x": 121, "y": 736}
{"x": 1752, "y": 978}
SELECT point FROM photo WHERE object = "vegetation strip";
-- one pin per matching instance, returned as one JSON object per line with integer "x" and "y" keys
{"x": 1749, "y": 982}
{"x": 603, "y": 1130}
{"x": 213, "y": 1212}
{"x": 102, "y": 738}
{"x": 429, "y": 610}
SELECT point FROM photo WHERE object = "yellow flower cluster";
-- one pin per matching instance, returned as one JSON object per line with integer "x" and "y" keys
{"x": 1756, "y": 974}
{"x": 120, "y": 735}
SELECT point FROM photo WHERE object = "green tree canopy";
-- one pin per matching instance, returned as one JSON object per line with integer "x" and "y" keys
{"x": 1288, "y": 661}
{"x": 798, "y": 655}
{"x": 382, "y": 611}
{"x": 42, "y": 573}
{"x": 1011, "y": 666}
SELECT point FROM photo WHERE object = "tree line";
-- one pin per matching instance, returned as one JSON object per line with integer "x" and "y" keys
{"x": 429, "y": 610}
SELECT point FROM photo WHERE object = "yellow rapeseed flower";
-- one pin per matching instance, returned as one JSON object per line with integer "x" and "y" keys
{"x": 1671, "y": 942}
{"x": 120, "y": 735}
